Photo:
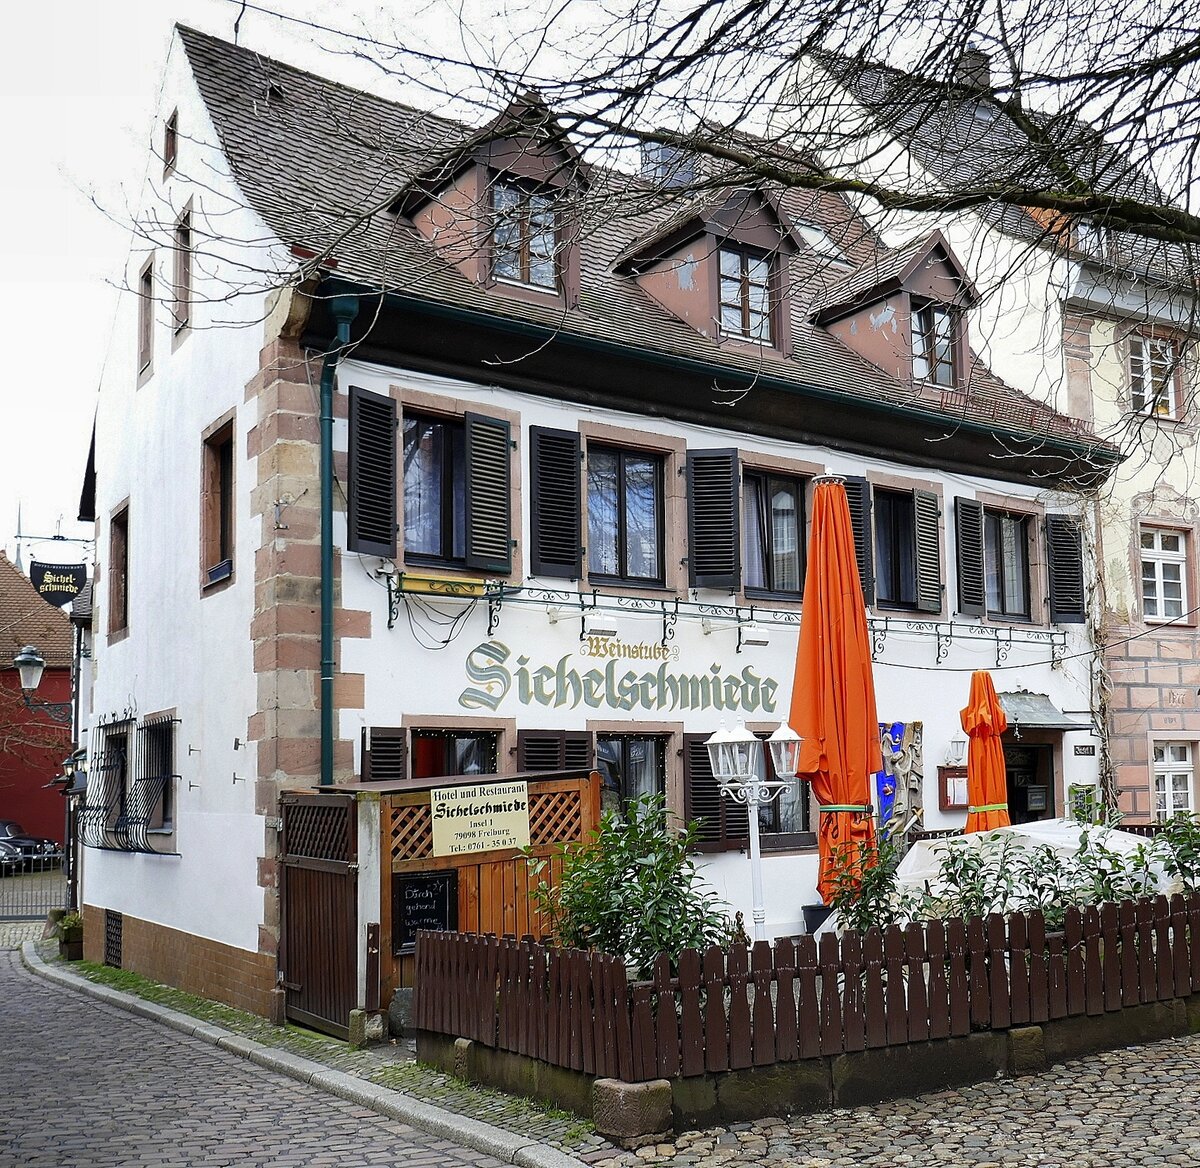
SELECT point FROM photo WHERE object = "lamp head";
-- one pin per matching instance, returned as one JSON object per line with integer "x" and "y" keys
{"x": 30, "y": 666}
{"x": 785, "y": 751}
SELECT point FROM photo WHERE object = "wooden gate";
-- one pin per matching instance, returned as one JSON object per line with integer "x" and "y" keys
{"x": 318, "y": 956}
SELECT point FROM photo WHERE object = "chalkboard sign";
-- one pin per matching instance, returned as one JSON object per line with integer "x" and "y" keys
{"x": 422, "y": 900}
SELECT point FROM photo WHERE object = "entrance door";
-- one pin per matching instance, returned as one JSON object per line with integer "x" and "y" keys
{"x": 1029, "y": 771}
{"x": 318, "y": 955}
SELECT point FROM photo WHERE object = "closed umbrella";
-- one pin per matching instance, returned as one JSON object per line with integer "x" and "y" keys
{"x": 984, "y": 721}
{"x": 833, "y": 694}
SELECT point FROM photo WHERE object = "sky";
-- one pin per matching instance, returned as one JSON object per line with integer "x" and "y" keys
{"x": 78, "y": 91}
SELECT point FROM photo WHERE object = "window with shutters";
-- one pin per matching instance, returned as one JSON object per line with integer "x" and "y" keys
{"x": 371, "y": 495}
{"x": 1065, "y": 569}
{"x": 384, "y": 754}
{"x": 457, "y": 486}
{"x": 630, "y": 766}
{"x": 1164, "y": 561}
{"x": 722, "y": 824}
{"x": 774, "y": 535}
{"x": 897, "y": 544}
{"x": 437, "y": 752}
{"x": 556, "y": 542}
{"x": 625, "y": 515}
{"x": 554, "y": 750}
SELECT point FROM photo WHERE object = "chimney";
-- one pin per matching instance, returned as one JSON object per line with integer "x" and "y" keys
{"x": 974, "y": 68}
{"x": 668, "y": 167}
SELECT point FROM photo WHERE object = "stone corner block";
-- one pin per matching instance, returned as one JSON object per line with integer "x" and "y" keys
{"x": 1026, "y": 1051}
{"x": 462, "y": 1058}
{"x": 631, "y": 1111}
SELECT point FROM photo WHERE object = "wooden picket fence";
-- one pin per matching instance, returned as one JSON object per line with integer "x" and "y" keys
{"x": 801, "y": 999}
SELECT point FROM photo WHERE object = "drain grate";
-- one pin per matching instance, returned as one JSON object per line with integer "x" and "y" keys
{"x": 114, "y": 924}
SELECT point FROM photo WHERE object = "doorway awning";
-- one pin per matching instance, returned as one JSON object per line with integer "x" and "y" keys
{"x": 1031, "y": 711}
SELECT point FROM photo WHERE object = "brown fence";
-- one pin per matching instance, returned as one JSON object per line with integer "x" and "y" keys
{"x": 753, "y": 1007}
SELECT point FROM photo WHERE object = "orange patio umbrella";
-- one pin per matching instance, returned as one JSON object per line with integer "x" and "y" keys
{"x": 984, "y": 721}
{"x": 833, "y": 694}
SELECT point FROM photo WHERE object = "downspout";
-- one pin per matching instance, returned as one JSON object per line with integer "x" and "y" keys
{"x": 344, "y": 309}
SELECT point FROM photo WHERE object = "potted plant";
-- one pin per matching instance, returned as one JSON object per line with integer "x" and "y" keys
{"x": 70, "y": 937}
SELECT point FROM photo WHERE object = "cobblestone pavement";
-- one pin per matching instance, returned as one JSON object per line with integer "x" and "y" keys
{"x": 1139, "y": 1106}
{"x": 86, "y": 1085}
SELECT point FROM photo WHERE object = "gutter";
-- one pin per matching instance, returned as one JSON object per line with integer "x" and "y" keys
{"x": 344, "y": 309}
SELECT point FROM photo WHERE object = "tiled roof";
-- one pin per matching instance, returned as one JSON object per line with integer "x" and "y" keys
{"x": 312, "y": 156}
{"x": 26, "y": 619}
{"x": 965, "y": 143}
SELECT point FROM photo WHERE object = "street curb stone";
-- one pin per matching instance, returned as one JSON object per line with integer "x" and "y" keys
{"x": 426, "y": 1117}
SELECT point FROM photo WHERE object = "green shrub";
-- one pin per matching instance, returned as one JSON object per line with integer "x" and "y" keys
{"x": 631, "y": 890}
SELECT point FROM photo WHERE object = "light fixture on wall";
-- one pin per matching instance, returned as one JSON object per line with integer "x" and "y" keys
{"x": 594, "y": 631}
{"x": 752, "y": 633}
{"x": 30, "y": 665}
{"x": 956, "y": 752}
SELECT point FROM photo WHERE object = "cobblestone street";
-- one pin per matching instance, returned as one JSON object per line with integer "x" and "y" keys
{"x": 85, "y": 1085}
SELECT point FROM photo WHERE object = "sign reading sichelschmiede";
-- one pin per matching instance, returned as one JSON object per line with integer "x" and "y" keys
{"x": 483, "y": 817}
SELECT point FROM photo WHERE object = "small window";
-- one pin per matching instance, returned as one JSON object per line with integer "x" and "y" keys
{"x": 183, "y": 271}
{"x": 1154, "y": 376}
{"x": 745, "y": 287}
{"x": 118, "y": 572}
{"x": 630, "y": 765}
{"x": 819, "y": 240}
{"x": 933, "y": 345}
{"x": 453, "y": 752}
{"x": 1006, "y": 564}
{"x": 435, "y": 517}
{"x": 170, "y": 143}
{"x": 157, "y": 772}
{"x": 1172, "y": 779}
{"x": 146, "y": 316}
{"x": 895, "y": 549}
{"x": 773, "y": 519}
{"x": 625, "y": 514}
{"x": 1164, "y": 574}
{"x": 115, "y": 768}
{"x": 217, "y": 506}
{"x": 524, "y": 236}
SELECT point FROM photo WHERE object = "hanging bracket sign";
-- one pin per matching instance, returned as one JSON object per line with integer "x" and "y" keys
{"x": 484, "y": 817}
{"x": 57, "y": 583}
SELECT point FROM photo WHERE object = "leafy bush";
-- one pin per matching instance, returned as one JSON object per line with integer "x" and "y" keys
{"x": 865, "y": 892}
{"x": 1177, "y": 848}
{"x": 631, "y": 890}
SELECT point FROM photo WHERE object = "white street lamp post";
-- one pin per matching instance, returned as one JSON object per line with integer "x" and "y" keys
{"x": 736, "y": 757}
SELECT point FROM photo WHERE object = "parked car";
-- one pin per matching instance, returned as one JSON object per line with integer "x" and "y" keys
{"x": 34, "y": 849}
{"x": 11, "y": 858}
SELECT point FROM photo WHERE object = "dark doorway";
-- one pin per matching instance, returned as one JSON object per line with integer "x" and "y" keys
{"x": 1029, "y": 771}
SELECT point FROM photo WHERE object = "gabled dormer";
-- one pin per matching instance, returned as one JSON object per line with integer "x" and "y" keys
{"x": 905, "y": 312}
{"x": 501, "y": 206}
{"x": 721, "y": 266}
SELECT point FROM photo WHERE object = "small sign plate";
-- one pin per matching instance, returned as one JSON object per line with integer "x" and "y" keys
{"x": 1085, "y": 751}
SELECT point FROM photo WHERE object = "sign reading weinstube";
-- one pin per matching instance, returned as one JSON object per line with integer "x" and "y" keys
{"x": 481, "y": 818}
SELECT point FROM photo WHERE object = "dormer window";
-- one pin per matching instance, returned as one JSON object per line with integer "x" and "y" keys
{"x": 933, "y": 344}
{"x": 524, "y": 237}
{"x": 745, "y": 293}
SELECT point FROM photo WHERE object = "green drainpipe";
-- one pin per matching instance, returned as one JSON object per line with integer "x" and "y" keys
{"x": 345, "y": 309}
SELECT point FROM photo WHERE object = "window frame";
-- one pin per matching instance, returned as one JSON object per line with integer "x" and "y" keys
{"x": 145, "y": 328}
{"x": 1168, "y": 769}
{"x": 659, "y": 459}
{"x": 661, "y": 739}
{"x": 1026, "y": 533}
{"x": 906, "y": 496}
{"x": 160, "y": 814}
{"x": 1161, "y": 558}
{"x": 924, "y": 315}
{"x": 118, "y": 572}
{"x": 498, "y": 181}
{"x": 218, "y": 505}
{"x": 182, "y": 281}
{"x": 1171, "y": 394}
{"x": 452, "y": 734}
{"x": 171, "y": 143}
{"x": 450, "y": 469}
{"x": 766, "y": 477}
{"x": 746, "y": 255}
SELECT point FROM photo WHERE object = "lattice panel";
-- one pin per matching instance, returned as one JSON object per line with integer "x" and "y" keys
{"x": 114, "y": 929}
{"x": 318, "y": 831}
{"x": 554, "y": 817}
{"x": 411, "y": 833}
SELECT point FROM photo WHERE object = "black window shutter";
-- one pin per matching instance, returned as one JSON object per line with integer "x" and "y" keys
{"x": 384, "y": 754}
{"x": 553, "y": 750}
{"x": 714, "y": 531}
{"x": 371, "y": 497}
{"x": 1064, "y": 547}
{"x": 555, "y": 503}
{"x": 858, "y": 495}
{"x": 488, "y": 494}
{"x": 928, "y": 515}
{"x": 702, "y": 800}
{"x": 968, "y": 542}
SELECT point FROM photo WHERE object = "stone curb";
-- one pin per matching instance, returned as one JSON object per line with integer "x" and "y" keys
{"x": 426, "y": 1117}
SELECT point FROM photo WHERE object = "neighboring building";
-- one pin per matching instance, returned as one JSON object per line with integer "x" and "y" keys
{"x": 1099, "y": 324}
{"x": 573, "y": 444}
{"x": 32, "y": 744}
